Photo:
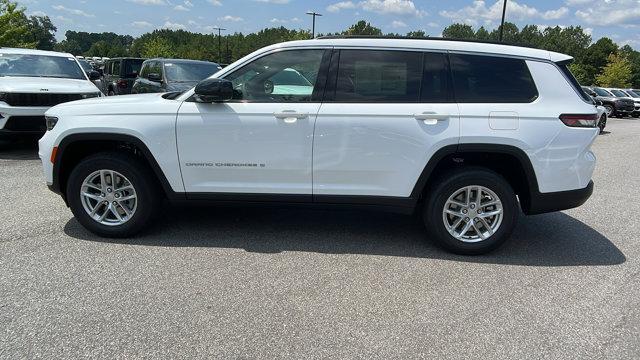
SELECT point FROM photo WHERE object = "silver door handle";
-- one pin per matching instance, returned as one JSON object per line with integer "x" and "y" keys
{"x": 290, "y": 116}
{"x": 430, "y": 118}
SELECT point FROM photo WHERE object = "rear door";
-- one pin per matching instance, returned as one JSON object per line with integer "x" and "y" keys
{"x": 385, "y": 114}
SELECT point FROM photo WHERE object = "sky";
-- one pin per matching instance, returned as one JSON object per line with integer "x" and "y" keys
{"x": 617, "y": 19}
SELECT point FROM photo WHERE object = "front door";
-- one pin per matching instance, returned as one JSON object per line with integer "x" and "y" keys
{"x": 261, "y": 141}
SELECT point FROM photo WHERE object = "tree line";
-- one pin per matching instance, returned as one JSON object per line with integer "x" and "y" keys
{"x": 602, "y": 62}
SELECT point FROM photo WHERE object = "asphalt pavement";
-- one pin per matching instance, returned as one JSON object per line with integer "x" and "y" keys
{"x": 266, "y": 283}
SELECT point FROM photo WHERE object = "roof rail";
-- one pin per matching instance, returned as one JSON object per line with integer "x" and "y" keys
{"x": 422, "y": 38}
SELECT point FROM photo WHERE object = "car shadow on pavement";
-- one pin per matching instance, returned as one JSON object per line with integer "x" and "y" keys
{"x": 555, "y": 239}
{"x": 19, "y": 150}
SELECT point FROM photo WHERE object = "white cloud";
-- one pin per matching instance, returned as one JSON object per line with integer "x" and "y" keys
{"x": 394, "y": 7}
{"x": 174, "y": 26}
{"x": 480, "y": 12}
{"x": 230, "y": 18}
{"x": 215, "y": 2}
{"x": 397, "y": 7}
{"x": 149, "y": 2}
{"x": 141, "y": 24}
{"x": 72, "y": 11}
{"x": 343, "y": 5}
{"x": 38, "y": 13}
{"x": 181, "y": 8}
{"x": 273, "y": 1}
{"x": 396, "y": 24}
{"x": 609, "y": 12}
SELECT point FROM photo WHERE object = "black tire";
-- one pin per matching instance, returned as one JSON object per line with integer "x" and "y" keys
{"x": 603, "y": 123}
{"x": 611, "y": 110}
{"x": 451, "y": 182}
{"x": 111, "y": 93}
{"x": 149, "y": 196}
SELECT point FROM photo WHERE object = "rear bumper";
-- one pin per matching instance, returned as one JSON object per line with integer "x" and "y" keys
{"x": 541, "y": 203}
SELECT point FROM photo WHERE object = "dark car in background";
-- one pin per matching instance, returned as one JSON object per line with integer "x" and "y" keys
{"x": 120, "y": 75}
{"x": 168, "y": 75}
{"x": 88, "y": 69}
{"x": 615, "y": 106}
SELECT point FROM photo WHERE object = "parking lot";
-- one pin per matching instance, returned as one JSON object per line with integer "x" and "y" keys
{"x": 269, "y": 283}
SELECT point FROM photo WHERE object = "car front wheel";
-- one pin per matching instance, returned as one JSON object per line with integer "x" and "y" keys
{"x": 471, "y": 211}
{"x": 112, "y": 194}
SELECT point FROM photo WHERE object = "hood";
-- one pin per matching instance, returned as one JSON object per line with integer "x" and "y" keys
{"x": 181, "y": 86}
{"x": 17, "y": 84}
{"x": 124, "y": 104}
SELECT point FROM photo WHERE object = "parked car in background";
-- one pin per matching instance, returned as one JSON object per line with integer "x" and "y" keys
{"x": 615, "y": 106}
{"x": 602, "y": 111}
{"x": 88, "y": 69}
{"x": 623, "y": 95}
{"x": 120, "y": 74}
{"x": 636, "y": 100}
{"x": 32, "y": 81}
{"x": 466, "y": 134}
{"x": 167, "y": 75}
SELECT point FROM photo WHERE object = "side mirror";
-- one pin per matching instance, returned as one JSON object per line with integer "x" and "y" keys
{"x": 94, "y": 75}
{"x": 214, "y": 90}
{"x": 155, "y": 77}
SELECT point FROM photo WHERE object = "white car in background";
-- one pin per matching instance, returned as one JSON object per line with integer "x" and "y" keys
{"x": 32, "y": 81}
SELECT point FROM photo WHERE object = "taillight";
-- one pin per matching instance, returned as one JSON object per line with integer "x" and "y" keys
{"x": 580, "y": 120}
{"x": 122, "y": 84}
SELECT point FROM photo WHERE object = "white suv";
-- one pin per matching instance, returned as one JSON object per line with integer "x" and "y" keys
{"x": 466, "y": 133}
{"x": 31, "y": 81}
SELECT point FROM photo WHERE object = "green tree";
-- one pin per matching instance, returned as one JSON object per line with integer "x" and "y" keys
{"x": 14, "y": 26}
{"x": 530, "y": 35}
{"x": 511, "y": 34}
{"x": 158, "y": 47}
{"x": 42, "y": 31}
{"x": 362, "y": 28}
{"x": 482, "y": 34}
{"x": 634, "y": 58}
{"x": 581, "y": 73}
{"x": 459, "y": 31}
{"x": 417, "y": 34}
{"x": 617, "y": 72}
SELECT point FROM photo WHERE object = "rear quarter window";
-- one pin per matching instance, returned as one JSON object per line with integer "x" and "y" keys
{"x": 492, "y": 79}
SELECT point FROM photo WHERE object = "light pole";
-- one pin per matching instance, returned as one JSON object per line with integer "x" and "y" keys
{"x": 504, "y": 10}
{"x": 219, "y": 41}
{"x": 313, "y": 28}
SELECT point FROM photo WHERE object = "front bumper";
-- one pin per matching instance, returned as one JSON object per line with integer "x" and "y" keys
{"x": 22, "y": 120}
{"x": 541, "y": 203}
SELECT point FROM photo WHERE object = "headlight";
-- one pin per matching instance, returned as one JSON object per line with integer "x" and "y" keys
{"x": 90, "y": 95}
{"x": 51, "y": 122}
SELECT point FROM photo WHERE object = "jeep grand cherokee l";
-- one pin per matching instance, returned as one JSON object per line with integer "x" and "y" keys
{"x": 31, "y": 81}
{"x": 468, "y": 134}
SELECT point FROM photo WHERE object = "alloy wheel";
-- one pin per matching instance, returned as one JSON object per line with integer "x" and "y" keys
{"x": 108, "y": 197}
{"x": 473, "y": 213}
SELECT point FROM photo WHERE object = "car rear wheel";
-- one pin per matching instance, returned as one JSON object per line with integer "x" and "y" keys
{"x": 471, "y": 211}
{"x": 112, "y": 194}
{"x": 602, "y": 123}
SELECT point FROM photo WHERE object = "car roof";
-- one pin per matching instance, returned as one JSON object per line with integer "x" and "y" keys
{"x": 34, "y": 52}
{"x": 429, "y": 44}
{"x": 182, "y": 61}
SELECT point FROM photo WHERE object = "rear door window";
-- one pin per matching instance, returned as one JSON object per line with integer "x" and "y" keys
{"x": 492, "y": 79}
{"x": 436, "y": 79}
{"x": 374, "y": 76}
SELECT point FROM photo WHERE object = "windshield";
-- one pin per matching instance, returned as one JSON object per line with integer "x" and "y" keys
{"x": 618, "y": 93}
{"x": 85, "y": 65}
{"x": 601, "y": 92}
{"x": 177, "y": 72}
{"x": 132, "y": 67}
{"x": 40, "y": 66}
